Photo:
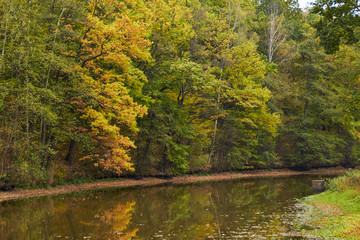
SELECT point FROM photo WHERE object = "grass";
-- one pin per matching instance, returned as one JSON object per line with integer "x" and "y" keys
{"x": 334, "y": 214}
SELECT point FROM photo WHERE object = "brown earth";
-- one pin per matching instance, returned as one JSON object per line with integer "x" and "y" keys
{"x": 149, "y": 181}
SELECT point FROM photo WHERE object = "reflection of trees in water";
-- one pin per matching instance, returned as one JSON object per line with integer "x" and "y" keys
{"x": 175, "y": 213}
{"x": 117, "y": 219}
{"x": 68, "y": 218}
{"x": 199, "y": 210}
{"x": 171, "y": 212}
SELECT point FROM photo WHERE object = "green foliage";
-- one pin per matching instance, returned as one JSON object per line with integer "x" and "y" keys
{"x": 349, "y": 180}
{"x": 96, "y": 88}
{"x": 316, "y": 149}
{"x": 338, "y": 22}
{"x": 54, "y": 56}
{"x": 313, "y": 124}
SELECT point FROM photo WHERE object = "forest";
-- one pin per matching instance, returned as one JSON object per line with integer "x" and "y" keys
{"x": 104, "y": 88}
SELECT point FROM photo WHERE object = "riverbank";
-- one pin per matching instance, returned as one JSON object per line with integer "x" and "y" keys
{"x": 334, "y": 214}
{"x": 150, "y": 181}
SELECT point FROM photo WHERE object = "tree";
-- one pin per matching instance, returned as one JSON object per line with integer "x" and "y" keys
{"x": 106, "y": 66}
{"x": 310, "y": 135}
{"x": 173, "y": 78}
{"x": 338, "y": 23}
{"x": 345, "y": 81}
{"x": 32, "y": 75}
{"x": 277, "y": 24}
{"x": 241, "y": 98}
{"x": 69, "y": 77}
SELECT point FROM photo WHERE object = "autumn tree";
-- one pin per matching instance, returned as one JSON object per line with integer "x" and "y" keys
{"x": 67, "y": 77}
{"x": 110, "y": 43}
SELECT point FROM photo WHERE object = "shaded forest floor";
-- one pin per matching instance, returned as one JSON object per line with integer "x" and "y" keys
{"x": 151, "y": 181}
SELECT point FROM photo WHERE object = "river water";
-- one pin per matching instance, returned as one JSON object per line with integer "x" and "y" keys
{"x": 238, "y": 209}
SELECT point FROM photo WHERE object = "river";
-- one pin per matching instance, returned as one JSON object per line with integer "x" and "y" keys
{"x": 260, "y": 208}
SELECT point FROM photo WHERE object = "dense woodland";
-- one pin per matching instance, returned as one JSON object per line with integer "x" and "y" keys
{"x": 101, "y": 88}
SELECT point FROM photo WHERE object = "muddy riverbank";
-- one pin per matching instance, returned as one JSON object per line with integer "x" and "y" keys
{"x": 150, "y": 181}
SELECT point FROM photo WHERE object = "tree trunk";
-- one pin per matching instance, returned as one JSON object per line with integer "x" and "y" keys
{"x": 69, "y": 156}
{"x": 308, "y": 78}
{"x": 142, "y": 158}
{"x": 216, "y": 120}
{"x": 276, "y": 35}
{"x": 348, "y": 156}
{"x": 4, "y": 44}
{"x": 164, "y": 160}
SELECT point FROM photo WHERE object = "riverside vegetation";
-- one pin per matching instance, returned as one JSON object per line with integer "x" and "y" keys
{"x": 336, "y": 212}
{"x": 96, "y": 89}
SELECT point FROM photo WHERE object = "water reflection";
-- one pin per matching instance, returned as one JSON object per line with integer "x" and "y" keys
{"x": 255, "y": 209}
{"x": 75, "y": 217}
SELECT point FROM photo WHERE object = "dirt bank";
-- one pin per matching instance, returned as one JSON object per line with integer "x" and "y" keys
{"x": 22, "y": 194}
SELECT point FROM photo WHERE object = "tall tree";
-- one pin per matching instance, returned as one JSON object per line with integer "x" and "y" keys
{"x": 338, "y": 23}
{"x": 69, "y": 77}
{"x": 106, "y": 65}
{"x": 277, "y": 24}
{"x": 310, "y": 135}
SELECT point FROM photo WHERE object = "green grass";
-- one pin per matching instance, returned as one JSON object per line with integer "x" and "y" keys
{"x": 334, "y": 214}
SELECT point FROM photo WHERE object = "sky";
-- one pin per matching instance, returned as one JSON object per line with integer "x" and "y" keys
{"x": 305, "y": 3}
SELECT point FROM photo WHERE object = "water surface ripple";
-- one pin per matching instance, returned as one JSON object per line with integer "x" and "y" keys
{"x": 237, "y": 209}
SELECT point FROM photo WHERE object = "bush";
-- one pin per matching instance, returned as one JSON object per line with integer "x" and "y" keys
{"x": 347, "y": 181}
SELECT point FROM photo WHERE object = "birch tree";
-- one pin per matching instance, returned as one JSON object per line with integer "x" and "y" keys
{"x": 276, "y": 33}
